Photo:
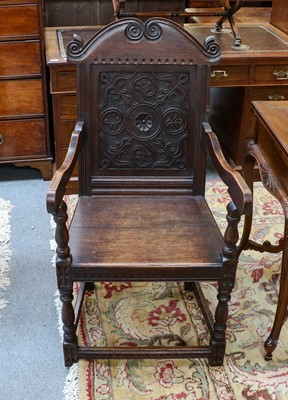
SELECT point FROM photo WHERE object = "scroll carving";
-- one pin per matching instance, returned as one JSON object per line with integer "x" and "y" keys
{"x": 155, "y": 32}
{"x": 211, "y": 46}
{"x": 76, "y": 46}
{"x": 143, "y": 120}
{"x": 136, "y": 30}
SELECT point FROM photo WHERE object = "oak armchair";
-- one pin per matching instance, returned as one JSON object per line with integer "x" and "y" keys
{"x": 141, "y": 141}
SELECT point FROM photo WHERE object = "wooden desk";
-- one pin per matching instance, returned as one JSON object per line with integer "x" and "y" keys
{"x": 270, "y": 150}
{"x": 244, "y": 15}
{"x": 241, "y": 77}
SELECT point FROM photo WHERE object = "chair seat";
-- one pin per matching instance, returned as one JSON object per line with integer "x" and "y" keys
{"x": 164, "y": 235}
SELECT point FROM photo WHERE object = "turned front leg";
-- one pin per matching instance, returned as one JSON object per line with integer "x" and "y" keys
{"x": 65, "y": 285}
{"x": 225, "y": 286}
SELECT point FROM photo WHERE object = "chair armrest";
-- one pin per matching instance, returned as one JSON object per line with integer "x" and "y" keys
{"x": 237, "y": 187}
{"x": 57, "y": 186}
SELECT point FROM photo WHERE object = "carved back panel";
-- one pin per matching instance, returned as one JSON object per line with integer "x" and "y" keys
{"x": 142, "y": 95}
{"x": 143, "y": 120}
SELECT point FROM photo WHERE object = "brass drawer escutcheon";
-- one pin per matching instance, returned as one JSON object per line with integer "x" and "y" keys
{"x": 1, "y": 139}
{"x": 218, "y": 74}
{"x": 276, "y": 97}
{"x": 280, "y": 75}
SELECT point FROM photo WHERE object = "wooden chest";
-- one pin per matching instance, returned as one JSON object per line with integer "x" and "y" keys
{"x": 24, "y": 130}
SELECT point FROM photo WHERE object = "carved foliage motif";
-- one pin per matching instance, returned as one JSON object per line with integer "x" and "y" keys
{"x": 267, "y": 177}
{"x": 143, "y": 120}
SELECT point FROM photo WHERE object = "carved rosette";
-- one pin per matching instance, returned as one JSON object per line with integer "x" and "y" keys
{"x": 143, "y": 120}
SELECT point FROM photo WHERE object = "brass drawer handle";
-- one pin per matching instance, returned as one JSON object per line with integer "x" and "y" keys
{"x": 280, "y": 75}
{"x": 1, "y": 139}
{"x": 219, "y": 73}
{"x": 276, "y": 97}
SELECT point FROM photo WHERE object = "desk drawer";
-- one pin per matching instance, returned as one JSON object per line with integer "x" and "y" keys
{"x": 63, "y": 79}
{"x": 229, "y": 75}
{"x": 19, "y": 20}
{"x": 20, "y": 58}
{"x": 22, "y": 138}
{"x": 272, "y": 93}
{"x": 8, "y": 2}
{"x": 65, "y": 116}
{"x": 65, "y": 105}
{"x": 66, "y": 129}
{"x": 21, "y": 97}
{"x": 275, "y": 74}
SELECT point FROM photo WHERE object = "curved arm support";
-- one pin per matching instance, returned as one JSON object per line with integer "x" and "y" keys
{"x": 57, "y": 186}
{"x": 237, "y": 187}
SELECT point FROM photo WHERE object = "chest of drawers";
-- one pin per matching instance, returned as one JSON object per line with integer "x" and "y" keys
{"x": 24, "y": 128}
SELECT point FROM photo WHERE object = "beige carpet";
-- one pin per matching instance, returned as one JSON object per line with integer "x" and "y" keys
{"x": 130, "y": 313}
{"x": 5, "y": 249}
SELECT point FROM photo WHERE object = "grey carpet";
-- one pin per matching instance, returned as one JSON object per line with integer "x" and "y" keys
{"x": 31, "y": 362}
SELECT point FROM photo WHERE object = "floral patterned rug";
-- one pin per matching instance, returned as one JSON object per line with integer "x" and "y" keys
{"x": 130, "y": 313}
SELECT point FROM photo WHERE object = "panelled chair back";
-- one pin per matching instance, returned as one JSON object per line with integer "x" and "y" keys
{"x": 142, "y": 141}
